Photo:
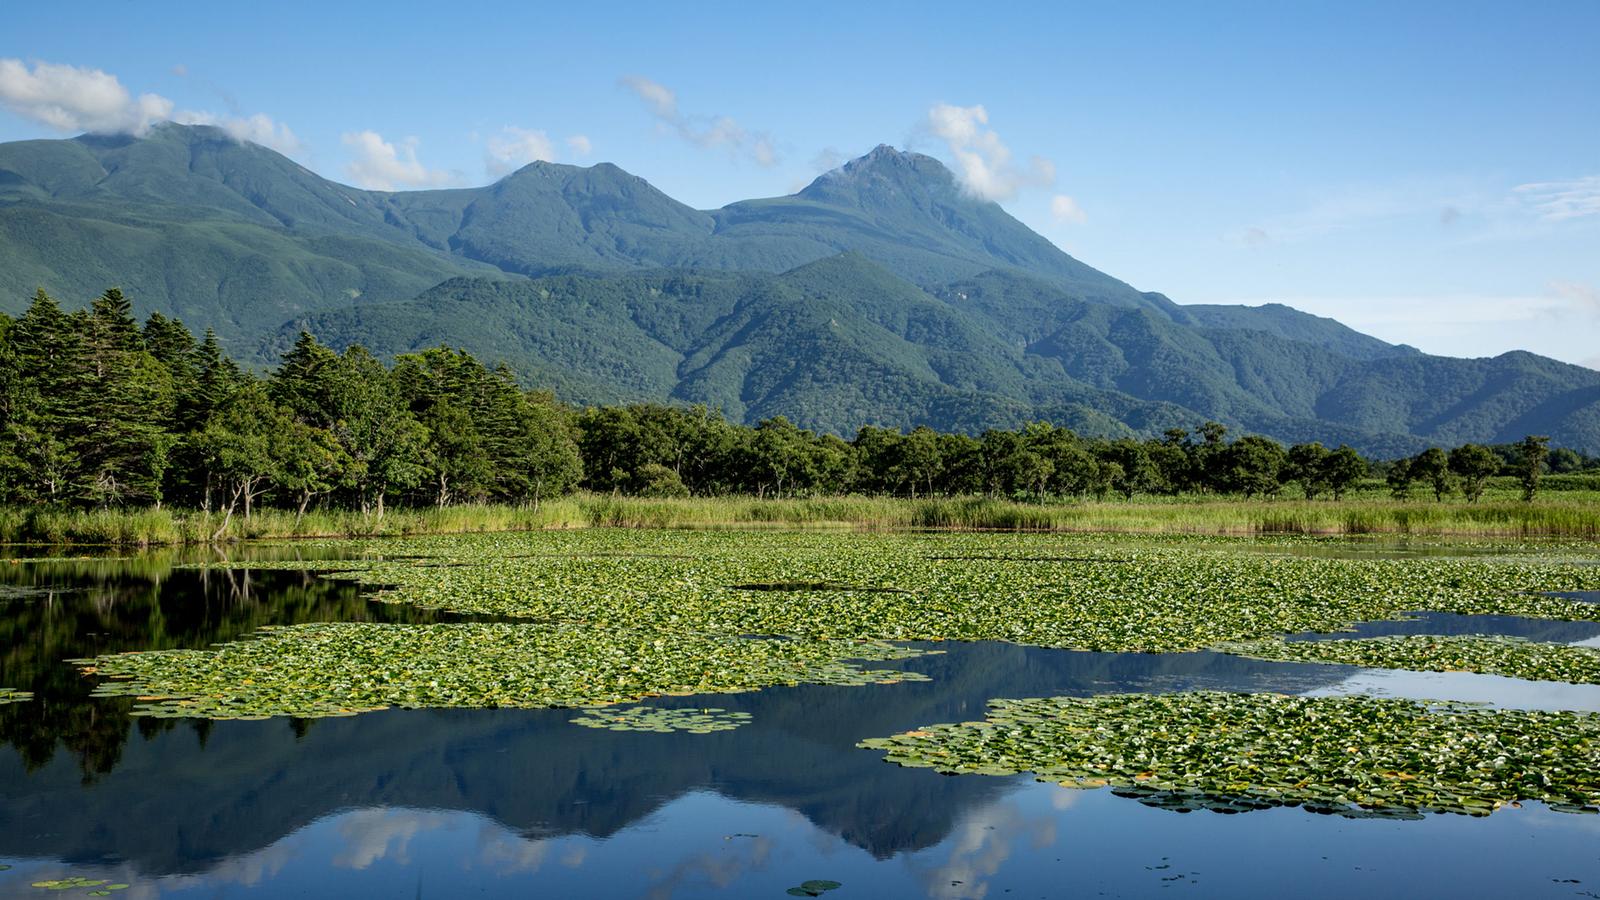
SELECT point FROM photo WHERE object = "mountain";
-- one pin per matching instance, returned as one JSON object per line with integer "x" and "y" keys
{"x": 882, "y": 293}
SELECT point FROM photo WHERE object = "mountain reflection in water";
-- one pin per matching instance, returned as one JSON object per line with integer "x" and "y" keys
{"x": 449, "y": 802}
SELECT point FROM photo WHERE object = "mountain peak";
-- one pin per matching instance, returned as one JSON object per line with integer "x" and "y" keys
{"x": 883, "y": 174}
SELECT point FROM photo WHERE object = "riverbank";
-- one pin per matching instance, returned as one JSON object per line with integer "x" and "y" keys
{"x": 1565, "y": 515}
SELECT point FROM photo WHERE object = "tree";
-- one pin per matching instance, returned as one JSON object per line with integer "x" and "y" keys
{"x": 1137, "y": 472}
{"x": 1473, "y": 463}
{"x": 1308, "y": 466}
{"x": 1252, "y": 465}
{"x": 1535, "y": 449}
{"x": 1341, "y": 469}
{"x": 1210, "y": 465}
{"x": 1433, "y": 467}
{"x": 311, "y": 463}
{"x": 657, "y": 480}
{"x": 239, "y": 448}
{"x": 1399, "y": 479}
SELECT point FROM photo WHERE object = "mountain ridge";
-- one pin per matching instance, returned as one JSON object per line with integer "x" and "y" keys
{"x": 881, "y": 293}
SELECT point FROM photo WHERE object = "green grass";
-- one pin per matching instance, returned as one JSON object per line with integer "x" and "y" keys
{"x": 1559, "y": 514}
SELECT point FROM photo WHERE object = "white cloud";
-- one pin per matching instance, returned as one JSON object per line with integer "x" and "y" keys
{"x": 1066, "y": 209}
{"x": 382, "y": 166}
{"x": 257, "y": 129}
{"x": 662, "y": 101}
{"x": 984, "y": 161}
{"x": 580, "y": 145}
{"x": 76, "y": 99}
{"x": 705, "y": 132}
{"x": 514, "y": 148}
{"x": 1558, "y": 201}
{"x": 70, "y": 98}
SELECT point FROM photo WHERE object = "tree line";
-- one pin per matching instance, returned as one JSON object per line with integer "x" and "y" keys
{"x": 99, "y": 410}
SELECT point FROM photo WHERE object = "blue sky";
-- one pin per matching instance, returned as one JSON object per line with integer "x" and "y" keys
{"x": 1429, "y": 173}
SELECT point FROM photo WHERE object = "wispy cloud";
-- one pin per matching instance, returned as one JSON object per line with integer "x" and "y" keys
{"x": 705, "y": 132}
{"x": 1583, "y": 298}
{"x": 384, "y": 166}
{"x": 1066, "y": 210}
{"x": 514, "y": 148}
{"x": 983, "y": 160}
{"x": 257, "y": 129}
{"x": 75, "y": 99}
{"x": 1558, "y": 201}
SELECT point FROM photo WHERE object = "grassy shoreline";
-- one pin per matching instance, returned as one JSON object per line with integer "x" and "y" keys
{"x": 1574, "y": 515}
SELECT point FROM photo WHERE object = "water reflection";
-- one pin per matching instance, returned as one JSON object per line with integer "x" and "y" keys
{"x": 1028, "y": 840}
{"x": 450, "y": 802}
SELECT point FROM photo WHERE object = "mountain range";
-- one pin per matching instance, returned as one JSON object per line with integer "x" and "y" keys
{"x": 882, "y": 293}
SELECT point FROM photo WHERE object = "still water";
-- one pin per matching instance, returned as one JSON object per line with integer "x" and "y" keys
{"x": 467, "y": 803}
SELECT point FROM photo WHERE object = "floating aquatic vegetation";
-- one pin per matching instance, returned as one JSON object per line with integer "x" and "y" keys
{"x": 7, "y": 695}
{"x": 332, "y": 669}
{"x": 1121, "y": 595}
{"x": 1234, "y": 752}
{"x": 660, "y": 720}
{"x": 96, "y": 887}
{"x": 816, "y": 887}
{"x": 1486, "y": 654}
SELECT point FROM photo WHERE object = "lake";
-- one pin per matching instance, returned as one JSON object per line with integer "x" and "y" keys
{"x": 520, "y": 802}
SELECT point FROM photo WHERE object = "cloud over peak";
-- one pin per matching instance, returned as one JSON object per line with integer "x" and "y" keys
{"x": 705, "y": 132}
{"x": 514, "y": 148}
{"x": 384, "y": 166}
{"x": 985, "y": 163}
{"x": 257, "y": 129}
{"x": 80, "y": 99}
{"x": 73, "y": 98}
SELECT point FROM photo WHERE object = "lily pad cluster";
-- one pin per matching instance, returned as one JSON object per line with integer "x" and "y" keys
{"x": 815, "y": 887}
{"x": 1073, "y": 591}
{"x": 333, "y": 669}
{"x": 1343, "y": 755}
{"x": 96, "y": 887}
{"x": 1486, "y": 654}
{"x": 7, "y": 695}
{"x": 663, "y": 721}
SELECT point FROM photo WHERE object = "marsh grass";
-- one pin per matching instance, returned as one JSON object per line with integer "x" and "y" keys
{"x": 1564, "y": 514}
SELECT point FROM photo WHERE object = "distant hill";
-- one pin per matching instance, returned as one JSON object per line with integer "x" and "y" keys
{"x": 882, "y": 293}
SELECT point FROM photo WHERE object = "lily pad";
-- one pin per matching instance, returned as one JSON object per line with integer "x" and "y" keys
{"x": 7, "y": 695}
{"x": 330, "y": 669}
{"x": 659, "y": 720}
{"x": 1121, "y": 594}
{"x": 1352, "y": 756}
{"x": 1487, "y": 654}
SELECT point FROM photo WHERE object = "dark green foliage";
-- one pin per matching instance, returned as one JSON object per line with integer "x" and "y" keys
{"x": 1399, "y": 479}
{"x": 1433, "y": 467}
{"x": 97, "y": 411}
{"x": 1342, "y": 469}
{"x": 1535, "y": 450}
{"x": 1473, "y": 463}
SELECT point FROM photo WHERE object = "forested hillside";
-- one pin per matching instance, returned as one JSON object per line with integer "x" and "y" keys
{"x": 881, "y": 294}
{"x": 99, "y": 411}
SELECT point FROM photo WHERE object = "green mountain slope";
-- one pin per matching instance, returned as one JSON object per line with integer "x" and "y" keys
{"x": 882, "y": 293}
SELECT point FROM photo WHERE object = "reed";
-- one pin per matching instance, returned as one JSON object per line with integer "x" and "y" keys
{"x": 1566, "y": 514}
